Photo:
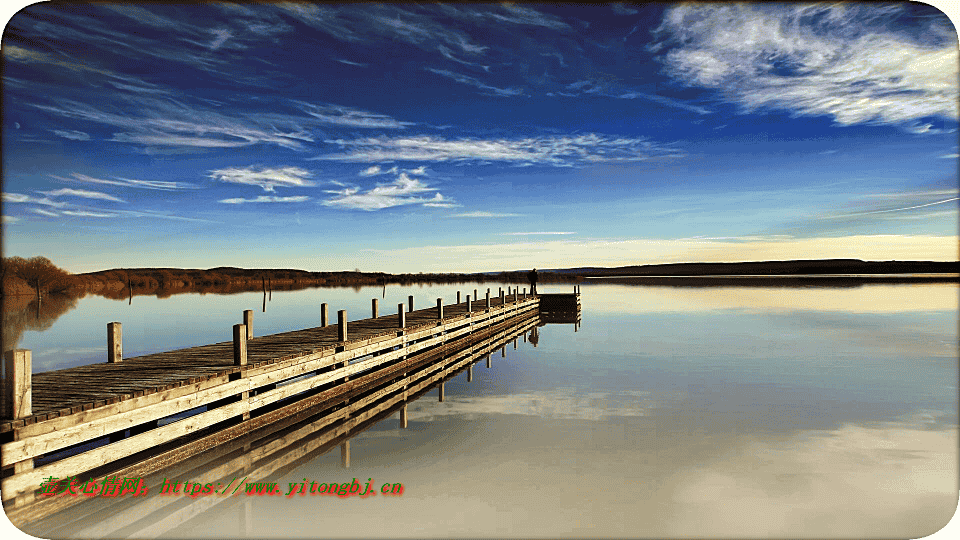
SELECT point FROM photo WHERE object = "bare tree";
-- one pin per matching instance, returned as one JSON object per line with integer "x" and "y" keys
{"x": 42, "y": 275}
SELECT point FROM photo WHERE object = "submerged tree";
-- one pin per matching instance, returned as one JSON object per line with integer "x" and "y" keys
{"x": 41, "y": 274}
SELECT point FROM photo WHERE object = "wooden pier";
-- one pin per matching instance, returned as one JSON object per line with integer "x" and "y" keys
{"x": 127, "y": 413}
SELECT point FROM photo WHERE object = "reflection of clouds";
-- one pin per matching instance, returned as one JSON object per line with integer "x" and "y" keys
{"x": 898, "y": 479}
{"x": 865, "y": 299}
{"x": 564, "y": 403}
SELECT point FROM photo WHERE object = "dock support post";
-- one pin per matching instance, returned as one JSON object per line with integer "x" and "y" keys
{"x": 475, "y": 295}
{"x": 458, "y": 297}
{"x": 470, "y": 373}
{"x": 18, "y": 365}
{"x": 114, "y": 342}
{"x": 345, "y": 454}
{"x": 410, "y": 302}
{"x": 503, "y": 351}
{"x": 441, "y": 392}
{"x": 469, "y": 304}
{"x": 489, "y": 362}
{"x": 342, "y": 325}
{"x": 402, "y": 317}
{"x": 439, "y": 308}
{"x": 524, "y": 293}
{"x": 488, "y": 299}
{"x": 375, "y": 308}
{"x": 502, "y": 297}
{"x": 239, "y": 345}
{"x": 403, "y": 416}
{"x": 248, "y": 322}
{"x": 324, "y": 315}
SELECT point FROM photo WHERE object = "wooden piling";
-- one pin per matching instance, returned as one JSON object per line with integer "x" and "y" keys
{"x": 402, "y": 317}
{"x": 470, "y": 373}
{"x": 439, "y": 308}
{"x": 324, "y": 315}
{"x": 18, "y": 366}
{"x": 441, "y": 393}
{"x": 114, "y": 342}
{"x": 248, "y": 322}
{"x": 488, "y": 299}
{"x": 458, "y": 297}
{"x": 489, "y": 362}
{"x": 345, "y": 454}
{"x": 375, "y": 308}
{"x": 239, "y": 345}
{"x": 469, "y": 304}
{"x": 342, "y": 325}
{"x": 410, "y": 303}
{"x": 403, "y": 416}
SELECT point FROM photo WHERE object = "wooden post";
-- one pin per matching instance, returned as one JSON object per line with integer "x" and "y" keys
{"x": 524, "y": 293}
{"x": 18, "y": 366}
{"x": 441, "y": 392}
{"x": 475, "y": 295}
{"x": 470, "y": 373}
{"x": 248, "y": 322}
{"x": 458, "y": 297}
{"x": 403, "y": 416}
{"x": 488, "y": 299}
{"x": 342, "y": 325}
{"x": 324, "y": 315}
{"x": 376, "y": 308}
{"x": 114, "y": 342}
{"x": 501, "y": 297}
{"x": 469, "y": 304}
{"x": 439, "y": 308}
{"x": 488, "y": 361}
{"x": 345, "y": 454}
{"x": 503, "y": 351}
{"x": 402, "y": 318}
{"x": 239, "y": 345}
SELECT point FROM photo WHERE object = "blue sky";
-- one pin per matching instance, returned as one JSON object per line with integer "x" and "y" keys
{"x": 461, "y": 137}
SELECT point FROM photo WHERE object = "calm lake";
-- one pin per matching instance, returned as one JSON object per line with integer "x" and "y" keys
{"x": 670, "y": 411}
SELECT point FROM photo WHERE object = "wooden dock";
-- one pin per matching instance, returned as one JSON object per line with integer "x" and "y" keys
{"x": 270, "y": 452}
{"x": 97, "y": 418}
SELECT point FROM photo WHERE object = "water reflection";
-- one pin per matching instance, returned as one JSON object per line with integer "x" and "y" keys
{"x": 674, "y": 412}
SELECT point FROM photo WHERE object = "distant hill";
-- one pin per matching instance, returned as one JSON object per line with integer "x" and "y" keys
{"x": 764, "y": 268}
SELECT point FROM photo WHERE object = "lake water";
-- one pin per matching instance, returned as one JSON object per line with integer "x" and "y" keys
{"x": 671, "y": 411}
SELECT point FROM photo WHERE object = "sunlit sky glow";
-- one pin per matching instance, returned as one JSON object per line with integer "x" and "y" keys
{"x": 461, "y": 137}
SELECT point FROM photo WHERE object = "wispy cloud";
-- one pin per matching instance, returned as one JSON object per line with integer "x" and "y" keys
{"x": 349, "y": 63}
{"x": 21, "y": 198}
{"x": 268, "y": 199}
{"x": 72, "y": 134}
{"x": 44, "y": 212}
{"x": 950, "y": 156}
{"x": 125, "y": 182}
{"x": 846, "y": 61}
{"x": 466, "y": 79}
{"x": 268, "y": 179}
{"x": 81, "y": 193}
{"x": 402, "y": 191}
{"x": 483, "y": 214}
{"x": 345, "y": 116}
{"x": 620, "y": 9}
{"x": 533, "y": 233}
{"x": 88, "y": 213}
{"x": 554, "y": 150}
{"x": 10, "y": 219}
{"x": 665, "y": 101}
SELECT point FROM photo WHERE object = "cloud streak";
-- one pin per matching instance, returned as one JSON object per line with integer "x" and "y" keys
{"x": 125, "y": 182}
{"x": 554, "y": 150}
{"x": 842, "y": 60}
{"x": 268, "y": 179}
{"x": 82, "y": 193}
{"x": 401, "y": 192}
{"x": 268, "y": 199}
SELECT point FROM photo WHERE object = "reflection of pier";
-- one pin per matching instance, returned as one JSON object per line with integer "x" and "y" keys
{"x": 561, "y": 308}
{"x": 139, "y": 434}
{"x": 274, "y": 450}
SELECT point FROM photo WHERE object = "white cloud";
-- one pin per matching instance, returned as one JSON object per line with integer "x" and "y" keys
{"x": 81, "y": 193}
{"x": 838, "y": 60}
{"x": 268, "y": 199}
{"x": 482, "y": 214}
{"x": 402, "y": 191}
{"x": 620, "y": 9}
{"x": 533, "y": 233}
{"x": 268, "y": 179}
{"x": 554, "y": 150}
{"x": 86, "y": 213}
{"x": 10, "y": 219}
{"x": 43, "y": 212}
{"x": 377, "y": 170}
{"x": 20, "y": 198}
{"x": 345, "y": 116}
{"x": 72, "y": 134}
{"x": 465, "y": 79}
{"x": 950, "y": 156}
{"x": 126, "y": 182}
